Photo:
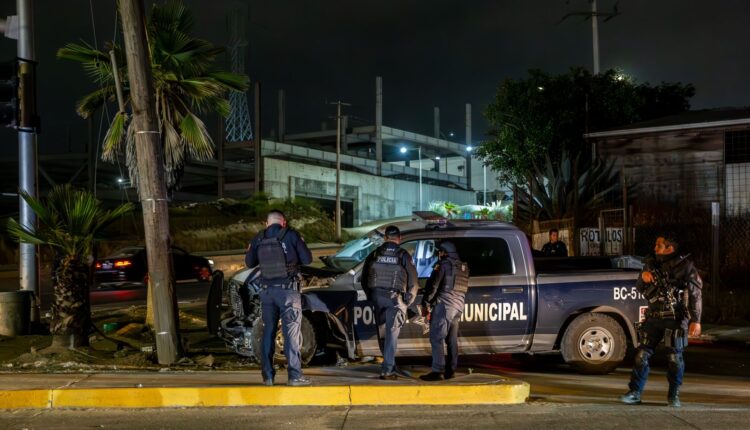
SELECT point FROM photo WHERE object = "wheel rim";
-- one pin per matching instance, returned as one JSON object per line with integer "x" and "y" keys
{"x": 596, "y": 345}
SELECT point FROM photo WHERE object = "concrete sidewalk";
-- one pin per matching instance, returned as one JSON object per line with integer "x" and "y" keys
{"x": 357, "y": 385}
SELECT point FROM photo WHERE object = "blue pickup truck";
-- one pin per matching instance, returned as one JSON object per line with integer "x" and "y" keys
{"x": 583, "y": 307}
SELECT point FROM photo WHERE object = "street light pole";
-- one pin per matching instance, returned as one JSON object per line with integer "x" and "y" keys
{"x": 337, "y": 215}
{"x": 419, "y": 154}
{"x": 484, "y": 172}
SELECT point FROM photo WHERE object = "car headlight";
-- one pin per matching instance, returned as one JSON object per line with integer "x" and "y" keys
{"x": 211, "y": 263}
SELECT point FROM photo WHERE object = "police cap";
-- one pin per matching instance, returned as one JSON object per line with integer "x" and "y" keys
{"x": 392, "y": 231}
{"x": 448, "y": 247}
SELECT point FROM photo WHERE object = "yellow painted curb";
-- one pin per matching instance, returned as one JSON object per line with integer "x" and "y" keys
{"x": 437, "y": 394}
{"x": 19, "y": 399}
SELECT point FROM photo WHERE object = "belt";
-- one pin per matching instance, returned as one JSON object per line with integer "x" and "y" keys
{"x": 662, "y": 315}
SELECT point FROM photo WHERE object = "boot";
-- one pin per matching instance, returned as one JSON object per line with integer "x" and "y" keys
{"x": 631, "y": 398}
{"x": 432, "y": 376}
{"x": 673, "y": 398}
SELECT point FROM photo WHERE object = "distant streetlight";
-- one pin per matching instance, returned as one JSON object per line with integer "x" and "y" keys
{"x": 437, "y": 157}
{"x": 419, "y": 154}
{"x": 450, "y": 134}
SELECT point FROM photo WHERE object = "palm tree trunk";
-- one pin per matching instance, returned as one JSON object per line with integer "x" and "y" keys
{"x": 70, "y": 311}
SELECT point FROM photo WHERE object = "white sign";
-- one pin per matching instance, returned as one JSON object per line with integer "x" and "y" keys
{"x": 590, "y": 241}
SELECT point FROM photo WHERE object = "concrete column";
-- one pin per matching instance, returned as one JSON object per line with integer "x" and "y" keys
{"x": 344, "y": 127}
{"x": 282, "y": 116}
{"x": 379, "y": 124}
{"x": 436, "y": 120}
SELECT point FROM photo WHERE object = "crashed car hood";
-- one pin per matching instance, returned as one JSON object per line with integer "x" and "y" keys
{"x": 315, "y": 278}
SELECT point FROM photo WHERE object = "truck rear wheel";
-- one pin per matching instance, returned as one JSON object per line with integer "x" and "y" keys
{"x": 307, "y": 349}
{"x": 594, "y": 343}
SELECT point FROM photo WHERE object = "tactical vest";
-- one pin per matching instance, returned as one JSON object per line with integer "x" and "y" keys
{"x": 386, "y": 271}
{"x": 459, "y": 278}
{"x": 272, "y": 257}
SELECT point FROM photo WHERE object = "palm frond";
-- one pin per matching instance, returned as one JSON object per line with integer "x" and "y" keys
{"x": 115, "y": 137}
{"x": 94, "y": 100}
{"x": 199, "y": 143}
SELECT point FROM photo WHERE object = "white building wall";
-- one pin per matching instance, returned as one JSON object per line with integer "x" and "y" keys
{"x": 374, "y": 197}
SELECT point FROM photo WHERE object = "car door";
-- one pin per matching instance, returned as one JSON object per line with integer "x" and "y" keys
{"x": 496, "y": 316}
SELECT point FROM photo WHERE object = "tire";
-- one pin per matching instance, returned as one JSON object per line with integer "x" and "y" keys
{"x": 594, "y": 343}
{"x": 307, "y": 349}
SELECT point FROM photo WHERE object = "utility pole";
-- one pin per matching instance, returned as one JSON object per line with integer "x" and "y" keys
{"x": 594, "y": 15}
{"x": 337, "y": 215}
{"x": 28, "y": 268}
{"x": 151, "y": 185}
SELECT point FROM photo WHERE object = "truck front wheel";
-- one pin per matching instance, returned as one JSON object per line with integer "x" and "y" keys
{"x": 594, "y": 343}
{"x": 307, "y": 349}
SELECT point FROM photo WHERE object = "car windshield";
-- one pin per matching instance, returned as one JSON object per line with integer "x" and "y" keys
{"x": 355, "y": 251}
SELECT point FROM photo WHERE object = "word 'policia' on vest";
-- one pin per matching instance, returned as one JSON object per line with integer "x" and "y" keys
{"x": 387, "y": 273}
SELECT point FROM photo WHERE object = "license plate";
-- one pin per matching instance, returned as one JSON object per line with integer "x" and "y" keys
{"x": 106, "y": 265}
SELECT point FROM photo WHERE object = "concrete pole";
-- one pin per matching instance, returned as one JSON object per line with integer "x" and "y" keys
{"x": 436, "y": 124}
{"x": 379, "y": 124}
{"x": 484, "y": 172}
{"x": 419, "y": 154}
{"x": 344, "y": 127}
{"x": 337, "y": 215}
{"x": 468, "y": 144}
{"x": 282, "y": 116}
{"x": 28, "y": 269}
{"x": 595, "y": 35}
{"x": 257, "y": 140}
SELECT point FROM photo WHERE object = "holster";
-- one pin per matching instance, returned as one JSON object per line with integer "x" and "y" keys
{"x": 676, "y": 339}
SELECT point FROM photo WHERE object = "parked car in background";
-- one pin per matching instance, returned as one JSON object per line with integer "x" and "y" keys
{"x": 129, "y": 266}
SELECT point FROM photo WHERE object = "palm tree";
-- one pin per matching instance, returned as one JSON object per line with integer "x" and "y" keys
{"x": 70, "y": 221}
{"x": 185, "y": 82}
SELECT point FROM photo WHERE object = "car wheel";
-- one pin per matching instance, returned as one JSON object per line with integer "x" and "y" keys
{"x": 594, "y": 343}
{"x": 307, "y": 349}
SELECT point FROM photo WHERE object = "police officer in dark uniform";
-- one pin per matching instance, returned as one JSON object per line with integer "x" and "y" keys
{"x": 672, "y": 286}
{"x": 280, "y": 251}
{"x": 555, "y": 247}
{"x": 444, "y": 295}
{"x": 389, "y": 279}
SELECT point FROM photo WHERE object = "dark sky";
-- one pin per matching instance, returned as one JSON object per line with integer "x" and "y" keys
{"x": 430, "y": 53}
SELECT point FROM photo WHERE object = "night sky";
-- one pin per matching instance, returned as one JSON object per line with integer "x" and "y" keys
{"x": 430, "y": 53}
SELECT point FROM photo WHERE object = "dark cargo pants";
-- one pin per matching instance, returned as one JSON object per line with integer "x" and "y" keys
{"x": 390, "y": 315}
{"x": 284, "y": 303}
{"x": 651, "y": 334}
{"x": 444, "y": 330}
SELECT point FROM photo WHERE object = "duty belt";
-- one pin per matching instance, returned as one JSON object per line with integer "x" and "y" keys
{"x": 662, "y": 314}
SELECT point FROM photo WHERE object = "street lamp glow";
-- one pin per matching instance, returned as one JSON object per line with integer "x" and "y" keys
{"x": 120, "y": 180}
{"x": 403, "y": 150}
{"x": 450, "y": 134}
{"x": 469, "y": 148}
{"x": 437, "y": 157}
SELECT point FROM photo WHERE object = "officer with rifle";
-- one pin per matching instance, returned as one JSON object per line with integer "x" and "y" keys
{"x": 672, "y": 286}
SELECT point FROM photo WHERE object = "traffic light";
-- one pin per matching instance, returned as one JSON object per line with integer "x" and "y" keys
{"x": 9, "y": 110}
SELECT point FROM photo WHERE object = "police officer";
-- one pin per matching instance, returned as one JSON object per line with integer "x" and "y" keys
{"x": 672, "y": 286}
{"x": 389, "y": 279}
{"x": 444, "y": 294}
{"x": 280, "y": 251}
{"x": 555, "y": 247}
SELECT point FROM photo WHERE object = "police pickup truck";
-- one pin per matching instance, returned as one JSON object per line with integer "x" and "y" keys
{"x": 583, "y": 307}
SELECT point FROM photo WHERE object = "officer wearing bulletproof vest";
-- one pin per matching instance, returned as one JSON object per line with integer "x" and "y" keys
{"x": 389, "y": 279}
{"x": 443, "y": 297}
{"x": 672, "y": 286}
{"x": 280, "y": 251}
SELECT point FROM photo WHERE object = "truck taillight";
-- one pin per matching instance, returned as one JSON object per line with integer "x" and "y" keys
{"x": 98, "y": 265}
{"x": 123, "y": 263}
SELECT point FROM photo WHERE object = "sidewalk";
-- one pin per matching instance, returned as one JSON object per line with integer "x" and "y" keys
{"x": 355, "y": 385}
{"x": 726, "y": 334}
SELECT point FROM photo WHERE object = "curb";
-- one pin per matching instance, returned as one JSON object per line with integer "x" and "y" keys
{"x": 514, "y": 392}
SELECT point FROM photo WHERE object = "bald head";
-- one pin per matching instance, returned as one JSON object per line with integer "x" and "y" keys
{"x": 276, "y": 217}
